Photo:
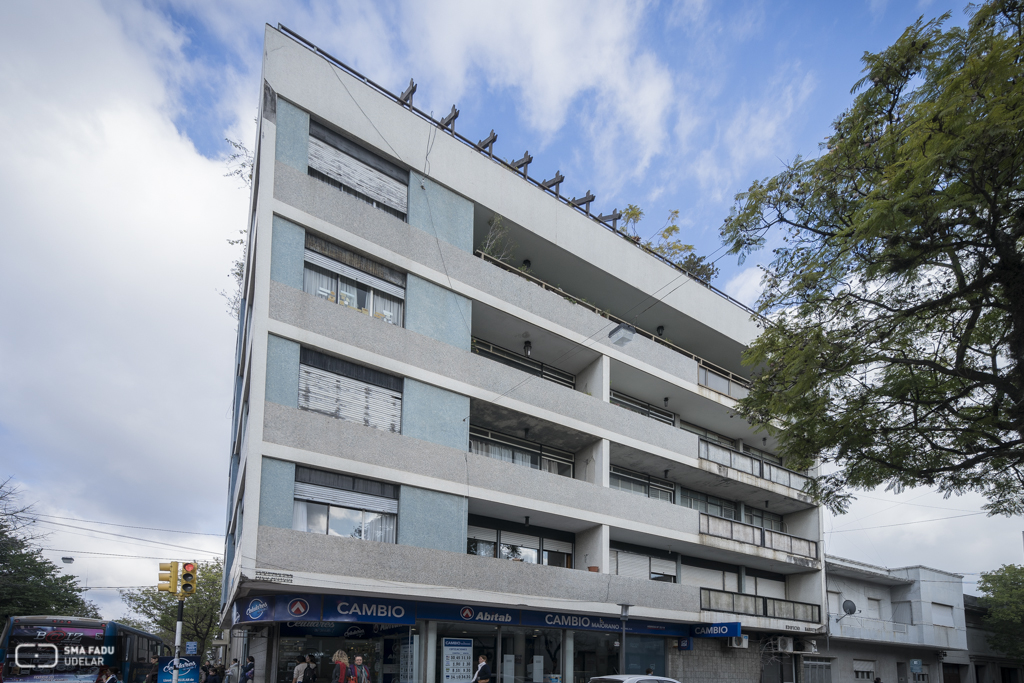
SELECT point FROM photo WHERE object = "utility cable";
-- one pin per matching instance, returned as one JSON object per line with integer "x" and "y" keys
{"x": 127, "y": 526}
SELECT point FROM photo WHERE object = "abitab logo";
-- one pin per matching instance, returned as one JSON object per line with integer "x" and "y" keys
{"x": 466, "y": 613}
{"x": 257, "y": 608}
{"x": 298, "y": 607}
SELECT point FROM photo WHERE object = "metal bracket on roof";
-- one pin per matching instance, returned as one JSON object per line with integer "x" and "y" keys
{"x": 523, "y": 163}
{"x": 554, "y": 182}
{"x": 449, "y": 121}
{"x": 488, "y": 144}
{"x": 406, "y": 97}
{"x": 614, "y": 217}
{"x": 585, "y": 200}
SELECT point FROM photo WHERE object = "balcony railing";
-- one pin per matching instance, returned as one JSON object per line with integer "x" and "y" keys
{"x": 755, "y": 466}
{"x": 642, "y": 407}
{"x": 710, "y": 375}
{"x": 521, "y": 362}
{"x": 755, "y": 605}
{"x": 755, "y": 535}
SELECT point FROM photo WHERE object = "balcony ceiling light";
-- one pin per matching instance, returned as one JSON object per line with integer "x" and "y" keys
{"x": 622, "y": 334}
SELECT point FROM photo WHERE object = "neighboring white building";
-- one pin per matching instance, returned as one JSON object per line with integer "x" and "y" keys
{"x": 986, "y": 665}
{"x": 902, "y": 625}
{"x": 438, "y": 455}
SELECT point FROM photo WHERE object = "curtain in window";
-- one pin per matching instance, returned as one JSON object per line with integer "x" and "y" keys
{"x": 299, "y": 515}
{"x": 319, "y": 282}
{"x": 491, "y": 450}
{"x": 387, "y": 308}
{"x": 348, "y": 293}
{"x": 379, "y": 527}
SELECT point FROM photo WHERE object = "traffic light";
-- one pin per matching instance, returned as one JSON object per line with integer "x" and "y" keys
{"x": 189, "y": 576}
{"x": 168, "y": 577}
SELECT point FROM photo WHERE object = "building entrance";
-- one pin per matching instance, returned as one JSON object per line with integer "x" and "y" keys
{"x": 380, "y": 646}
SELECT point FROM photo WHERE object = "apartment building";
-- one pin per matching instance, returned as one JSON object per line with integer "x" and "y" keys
{"x": 450, "y": 443}
{"x": 903, "y": 625}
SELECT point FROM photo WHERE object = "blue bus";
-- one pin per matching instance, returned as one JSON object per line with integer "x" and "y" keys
{"x": 48, "y": 649}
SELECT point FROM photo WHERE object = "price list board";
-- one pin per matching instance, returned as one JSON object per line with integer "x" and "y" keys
{"x": 458, "y": 659}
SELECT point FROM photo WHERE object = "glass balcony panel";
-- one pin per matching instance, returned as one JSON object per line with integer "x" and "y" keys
{"x": 717, "y": 382}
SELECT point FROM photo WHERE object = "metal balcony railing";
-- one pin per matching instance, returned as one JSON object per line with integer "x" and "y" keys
{"x": 751, "y": 465}
{"x": 755, "y": 605}
{"x": 521, "y": 362}
{"x": 642, "y": 407}
{"x": 755, "y": 535}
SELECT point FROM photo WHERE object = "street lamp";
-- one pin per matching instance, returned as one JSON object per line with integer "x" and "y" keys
{"x": 622, "y": 646}
{"x": 67, "y": 560}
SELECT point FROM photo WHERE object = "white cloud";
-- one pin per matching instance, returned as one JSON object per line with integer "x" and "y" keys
{"x": 116, "y": 386}
{"x": 745, "y": 286}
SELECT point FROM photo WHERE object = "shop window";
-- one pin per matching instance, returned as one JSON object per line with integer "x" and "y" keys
{"x": 712, "y": 505}
{"x": 641, "y": 484}
{"x": 530, "y": 454}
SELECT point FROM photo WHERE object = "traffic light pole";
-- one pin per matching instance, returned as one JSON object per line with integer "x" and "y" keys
{"x": 177, "y": 640}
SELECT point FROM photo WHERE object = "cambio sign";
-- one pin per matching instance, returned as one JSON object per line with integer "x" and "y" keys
{"x": 368, "y": 610}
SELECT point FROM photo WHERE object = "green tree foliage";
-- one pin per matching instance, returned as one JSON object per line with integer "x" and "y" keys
{"x": 667, "y": 244}
{"x": 30, "y": 583}
{"x": 240, "y": 165}
{"x": 1003, "y": 599}
{"x": 157, "y": 612}
{"x": 896, "y": 293}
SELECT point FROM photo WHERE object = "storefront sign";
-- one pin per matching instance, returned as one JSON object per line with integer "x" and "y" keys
{"x": 916, "y": 666}
{"x": 188, "y": 669}
{"x": 726, "y": 629}
{"x": 485, "y": 615}
{"x": 320, "y": 629}
{"x": 408, "y": 660}
{"x": 457, "y": 662}
{"x": 370, "y": 610}
{"x": 583, "y": 622}
{"x": 258, "y": 608}
{"x": 685, "y": 643}
{"x": 297, "y": 608}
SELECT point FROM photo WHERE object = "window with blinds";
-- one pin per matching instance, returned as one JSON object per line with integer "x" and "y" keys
{"x": 338, "y": 161}
{"x": 640, "y": 566}
{"x": 712, "y": 505}
{"x": 641, "y": 484}
{"x": 864, "y": 669}
{"x": 340, "y": 505}
{"x": 518, "y": 547}
{"x": 344, "y": 277}
{"x": 347, "y": 391}
{"x": 520, "y": 452}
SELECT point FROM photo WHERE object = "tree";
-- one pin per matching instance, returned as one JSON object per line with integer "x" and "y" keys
{"x": 158, "y": 611}
{"x": 896, "y": 291}
{"x": 240, "y": 165}
{"x": 666, "y": 243}
{"x": 30, "y": 583}
{"x": 1003, "y": 600}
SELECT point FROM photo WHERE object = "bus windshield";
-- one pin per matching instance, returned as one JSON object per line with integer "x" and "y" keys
{"x": 43, "y": 652}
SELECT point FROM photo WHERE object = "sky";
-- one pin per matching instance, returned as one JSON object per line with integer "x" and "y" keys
{"x": 115, "y": 356}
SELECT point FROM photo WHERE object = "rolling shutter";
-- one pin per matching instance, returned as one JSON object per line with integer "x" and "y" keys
{"x": 349, "y": 399}
{"x": 478, "y": 533}
{"x": 355, "y": 174}
{"x": 661, "y": 565}
{"x": 353, "y": 274}
{"x": 637, "y": 566}
{"x": 864, "y": 665}
{"x": 521, "y": 540}
{"x": 349, "y": 499}
{"x": 558, "y": 546}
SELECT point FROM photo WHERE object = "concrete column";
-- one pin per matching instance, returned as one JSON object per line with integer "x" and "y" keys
{"x": 595, "y": 379}
{"x": 568, "y": 656}
{"x": 592, "y": 548}
{"x": 592, "y": 463}
{"x": 430, "y": 652}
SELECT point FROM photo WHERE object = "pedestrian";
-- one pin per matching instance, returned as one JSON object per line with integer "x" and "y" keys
{"x": 231, "y": 676}
{"x": 483, "y": 672}
{"x": 309, "y": 673}
{"x": 878, "y": 679}
{"x": 341, "y": 668}
{"x": 249, "y": 670}
{"x": 154, "y": 670}
{"x": 362, "y": 673}
{"x": 213, "y": 672}
{"x": 649, "y": 672}
{"x": 300, "y": 667}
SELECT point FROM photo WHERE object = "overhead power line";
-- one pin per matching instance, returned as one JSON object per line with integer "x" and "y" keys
{"x": 134, "y": 538}
{"x": 918, "y": 521}
{"x": 128, "y": 526}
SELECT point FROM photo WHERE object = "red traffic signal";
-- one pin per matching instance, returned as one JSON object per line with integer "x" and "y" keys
{"x": 188, "y": 579}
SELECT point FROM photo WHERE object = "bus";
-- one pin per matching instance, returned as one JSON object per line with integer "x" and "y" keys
{"x": 38, "y": 649}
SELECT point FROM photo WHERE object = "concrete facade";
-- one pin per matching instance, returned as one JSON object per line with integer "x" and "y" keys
{"x": 377, "y": 458}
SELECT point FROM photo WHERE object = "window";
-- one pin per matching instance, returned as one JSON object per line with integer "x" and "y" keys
{"x": 817, "y": 670}
{"x": 348, "y": 391}
{"x": 338, "y": 161}
{"x": 834, "y": 602}
{"x": 519, "y": 547}
{"x": 340, "y": 505}
{"x": 762, "y": 455}
{"x": 641, "y": 566}
{"x": 921, "y": 677}
{"x": 708, "y": 435}
{"x": 762, "y": 518}
{"x": 874, "y": 610}
{"x": 864, "y": 669}
{"x": 641, "y": 484}
{"x": 709, "y": 504}
{"x": 353, "y": 281}
{"x": 520, "y": 452}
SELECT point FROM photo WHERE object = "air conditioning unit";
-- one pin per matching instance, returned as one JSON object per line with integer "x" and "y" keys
{"x": 741, "y": 642}
{"x": 783, "y": 644}
{"x": 806, "y": 647}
